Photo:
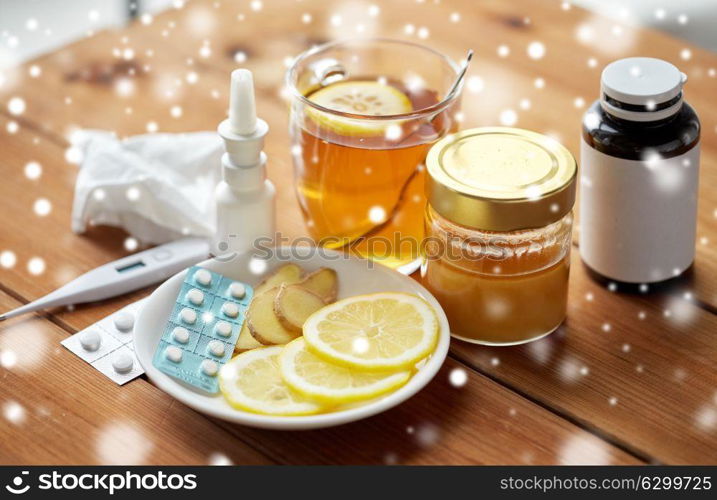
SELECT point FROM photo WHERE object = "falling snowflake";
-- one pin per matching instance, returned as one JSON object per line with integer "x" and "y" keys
{"x": 131, "y": 244}
{"x": 377, "y": 214}
{"x": 8, "y": 358}
{"x": 33, "y": 170}
{"x": 7, "y": 259}
{"x": 36, "y": 266}
{"x": 219, "y": 459}
{"x": 508, "y": 117}
{"x": 393, "y": 132}
{"x": 133, "y": 193}
{"x": 42, "y": 207}
{"x": 16, "y": 106}
{"x": 475, "y": 84}
{"x": 73, "y": 154}
{"x": 536, "y": 50}
{"x": 14, "y": 412}
{"x": 458, "y": 377}
{"x": 122, "y": 443}
{"x": 257, "y": 266}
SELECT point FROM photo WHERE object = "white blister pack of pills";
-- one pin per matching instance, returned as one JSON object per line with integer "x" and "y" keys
{"x": 107, "y": 345}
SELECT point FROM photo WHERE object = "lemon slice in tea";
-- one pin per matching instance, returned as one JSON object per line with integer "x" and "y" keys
{"x": 360, "y": 97}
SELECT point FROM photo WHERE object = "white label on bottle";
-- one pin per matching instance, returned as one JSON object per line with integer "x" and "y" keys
{"x": 638, "y": 218}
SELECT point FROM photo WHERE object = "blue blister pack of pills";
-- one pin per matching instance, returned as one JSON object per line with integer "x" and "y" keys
{"x": 203, "y": 328}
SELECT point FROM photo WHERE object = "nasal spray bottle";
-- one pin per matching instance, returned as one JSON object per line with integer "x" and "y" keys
{"x": 244, "y": 197}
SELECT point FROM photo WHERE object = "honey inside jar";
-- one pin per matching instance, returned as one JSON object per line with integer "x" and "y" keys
{"x": 498, "y": 233}
{"x": 513, "y": 295}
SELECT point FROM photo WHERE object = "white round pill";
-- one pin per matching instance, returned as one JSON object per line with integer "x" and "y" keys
{"x": 237, "y": 290}
{"x": 203, "y": 277}
{"x": 216, "y": 348}
{"x": 122, "y": 363}
{"x": 90, "y": 340}
{"x": 188, "y": 316}
{"x": 224, "y": 329}
{"x": 124, "y": 321}
{"x": 195, "y": 296}
{"x": 173, "y": 353}
{"x": 230, "y": 309}
{"x": 209, "y": 367}
{"x": 181, "y": 335}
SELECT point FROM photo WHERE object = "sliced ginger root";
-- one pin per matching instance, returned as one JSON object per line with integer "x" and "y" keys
{"x": 288, "y": 273}
{"x": 293, "y": 304}
{"x": 323, "y": 282}
{"x": 246, "y": 340}
{"x": 263, "y": 323}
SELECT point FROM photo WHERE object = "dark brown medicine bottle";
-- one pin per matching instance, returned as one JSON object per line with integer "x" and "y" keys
{"x": 639, "y": 174}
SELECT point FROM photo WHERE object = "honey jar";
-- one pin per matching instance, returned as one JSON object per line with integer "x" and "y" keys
{"x": 498, "y": 233}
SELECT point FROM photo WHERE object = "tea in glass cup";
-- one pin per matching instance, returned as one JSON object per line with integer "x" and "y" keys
{"x": 364, "y": 114}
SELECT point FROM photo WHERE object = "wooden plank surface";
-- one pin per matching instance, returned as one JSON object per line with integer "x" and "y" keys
{"x": 478, "y": 423}
{"x": 663, "y": 382}
{"x": 59, "y": 410}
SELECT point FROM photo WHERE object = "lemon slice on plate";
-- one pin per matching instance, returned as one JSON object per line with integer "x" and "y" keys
{"x": 381, "y": 331}
{"x": 252, "y": 382}
{"x": 360, "y": 97}
{"x": 315, "y": 378}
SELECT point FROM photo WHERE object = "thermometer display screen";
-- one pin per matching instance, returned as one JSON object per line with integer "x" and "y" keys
{"x": 130, "y": 267}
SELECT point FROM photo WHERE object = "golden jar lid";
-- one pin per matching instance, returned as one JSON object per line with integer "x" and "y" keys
{"x": 500, "y": 179}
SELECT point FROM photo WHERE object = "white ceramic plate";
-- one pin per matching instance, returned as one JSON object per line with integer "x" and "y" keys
{"x": 356, "y": 276}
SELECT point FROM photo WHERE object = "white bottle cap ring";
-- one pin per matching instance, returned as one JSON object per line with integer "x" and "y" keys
{"x": 641, "y": 89}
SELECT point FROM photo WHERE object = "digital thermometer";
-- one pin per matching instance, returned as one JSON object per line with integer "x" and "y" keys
{"x": 123, "y": 275}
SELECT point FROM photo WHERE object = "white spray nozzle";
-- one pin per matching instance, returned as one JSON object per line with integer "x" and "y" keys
{"x": 242, "y": 108}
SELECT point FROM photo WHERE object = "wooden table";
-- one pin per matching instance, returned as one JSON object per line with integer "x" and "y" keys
{"x": 629, "y": 379}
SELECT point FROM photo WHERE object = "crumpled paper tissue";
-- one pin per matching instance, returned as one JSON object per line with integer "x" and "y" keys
{"x": 158, "y": 187}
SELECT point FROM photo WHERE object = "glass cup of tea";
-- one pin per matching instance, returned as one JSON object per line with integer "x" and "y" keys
{"x": 364, "y": 113}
